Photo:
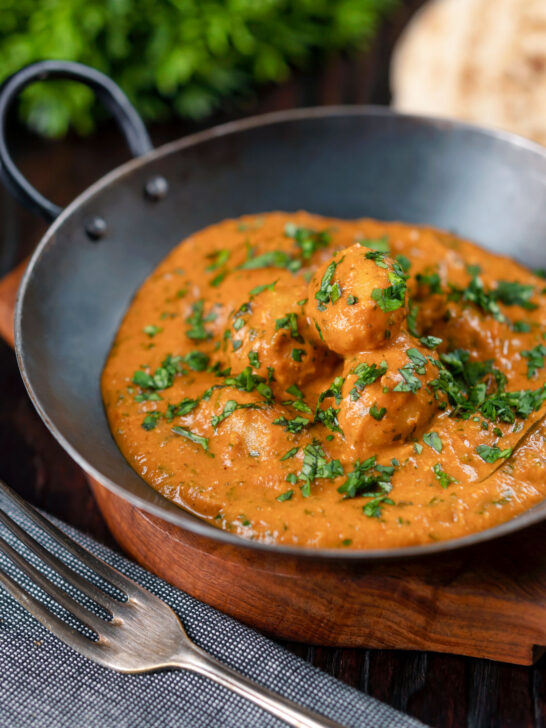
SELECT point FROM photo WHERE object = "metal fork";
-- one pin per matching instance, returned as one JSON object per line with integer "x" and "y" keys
{"x": 142, "y": 633}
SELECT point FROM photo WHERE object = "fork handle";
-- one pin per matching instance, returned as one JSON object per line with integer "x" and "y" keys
{"x": 201, "y": 662}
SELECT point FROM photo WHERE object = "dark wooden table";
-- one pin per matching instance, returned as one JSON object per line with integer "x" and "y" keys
{"x": 441, "y": 690}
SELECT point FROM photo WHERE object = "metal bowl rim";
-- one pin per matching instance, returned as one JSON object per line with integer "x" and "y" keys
{"x": 196, "y": 525}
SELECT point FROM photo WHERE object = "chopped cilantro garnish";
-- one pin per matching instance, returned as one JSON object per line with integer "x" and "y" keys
{"x": 247, "y": 381}
{"x": 290, "y": 454}
{"x": 309, "y": 241}
{"x": 290, "y": 322}
{"x": 334, "y": 390}
{"x": 163, "y": 377}
{"x": 403, "y": 262}
{"x": 418, "y": 448}
{"x": 316, "y": 466}
{"x": 253, "y": 359}
{"x": 294, "y": 425}
{"x": 152, "y": 330}
{"x": 442, "y": 476}
{"x": 492, "y": 454}
{"x": 351, "y": 300}
{"x": 367, "y": 479}
{"x": 197, "y": 320}
{"x": 197, "y": 360}
{"x": 328, "y": 292}
{"x": 431, "y": 342}
{"x": 229, "y": 408}
{"x": 431, "y": 280}
{"x": 377, "y": 412}
{"x": 184, "y": 407}
{"x": 380, "y": 244}
{"x": 512, "y": 293}
{"x": 411, "y": 320}
{"x": 378, "y": 258}
{"x": 521, "y": 327}
{"x": 411, "y": 383}
{"x": 476, "y": 293}
{"x": 394, "y": 296}
{"x": 260, "y": 289}
{"x": 297, "y": 354}
{"x": 366, "y": 374}
{"x": 219, "y": 258}
{"x": 535, "y": 359}
{"x": 286, "y": 496}
{"x": 419, "y": 360}
{"x": 150, "y": 421}
{"x": 272, "y": 259}
{"x": 318, "y": 329}
{"x": 433, "y": 440}
{"x": 188, "y": 434}
{"x": 328, "y": 418}
{"x": 374, "y": 507}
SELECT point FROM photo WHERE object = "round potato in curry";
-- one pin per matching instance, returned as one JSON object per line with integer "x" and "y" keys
{"x": 331, "y": 383}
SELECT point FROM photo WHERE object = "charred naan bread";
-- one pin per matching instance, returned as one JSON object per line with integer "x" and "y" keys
{"x": 482, "y": 61}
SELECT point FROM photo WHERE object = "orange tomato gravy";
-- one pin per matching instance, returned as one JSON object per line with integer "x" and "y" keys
{"x": 330, "y": 383}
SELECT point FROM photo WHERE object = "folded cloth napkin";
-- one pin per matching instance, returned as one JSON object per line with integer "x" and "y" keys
{"x": 44, "y": 683}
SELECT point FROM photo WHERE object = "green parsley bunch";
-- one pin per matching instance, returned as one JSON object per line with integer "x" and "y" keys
{"x": 181, "y": 57}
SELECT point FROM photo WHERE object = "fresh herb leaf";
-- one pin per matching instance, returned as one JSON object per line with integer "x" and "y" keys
{"x": 272, "y": 259}
{"x": 374, "y": 507}
{"x": 286, "y": 496}
{"x": 152, "y": 330}
{"x": 380, "y": 244}
{"x": 197, "y": 320}
{"x": 535, "y": 359}
{"x": 431, "y": 342}
{"x": 366, "y": 374}
{"x": 351, "y": 300}
{"x": 411, "y": 320}
{"x": 290, "y": 322}
{"x": 377, "y": 413}
{"x": 492, "y": 454}
{"x": 290, "y": 454}
{"x": 151, "y": 420}
{"x": 189, "y": 435}
{"x": 309, "y": 241}
{"x": 367, "y": 479}
{"x": 442, "y": 476}
{"x": 197, "y": 360}
{"x": 432, "y": 281}
{"x": 260, "y": 289}
{"x": 512, "y": 293}
{"x": 219, "y": 258}
{"x": 184, "y": 407}
{"x": 316, "y": 466}
{"x": 297, "y": 354}
{"x": 294, "y": 425}
{"x": 433, "y": 440}
{"x": 393, "y": 297}
{"x": 328, "y": 292}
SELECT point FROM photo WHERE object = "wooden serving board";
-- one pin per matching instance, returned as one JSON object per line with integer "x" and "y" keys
{"x": 488, "y": 601}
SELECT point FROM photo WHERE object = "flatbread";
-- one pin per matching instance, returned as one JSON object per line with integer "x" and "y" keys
{"x": 482, "y": 61}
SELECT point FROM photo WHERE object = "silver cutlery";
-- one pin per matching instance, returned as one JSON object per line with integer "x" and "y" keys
{"x": 139, "y": 633}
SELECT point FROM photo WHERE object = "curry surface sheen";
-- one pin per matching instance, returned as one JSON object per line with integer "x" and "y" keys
{"x": 321, "y": 382}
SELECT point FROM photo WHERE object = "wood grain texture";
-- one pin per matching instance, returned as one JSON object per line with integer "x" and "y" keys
{"x": 8, "y": 293}
{"x": 479, "y": 602}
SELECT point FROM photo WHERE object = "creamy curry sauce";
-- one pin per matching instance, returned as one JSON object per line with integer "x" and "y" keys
{"x": 328, "y": 383}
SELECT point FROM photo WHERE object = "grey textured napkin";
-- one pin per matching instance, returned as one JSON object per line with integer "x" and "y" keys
{"x": 44, "y": 683}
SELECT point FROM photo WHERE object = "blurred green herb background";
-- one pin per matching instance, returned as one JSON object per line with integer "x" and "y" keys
{"x": 173, "y": 57}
